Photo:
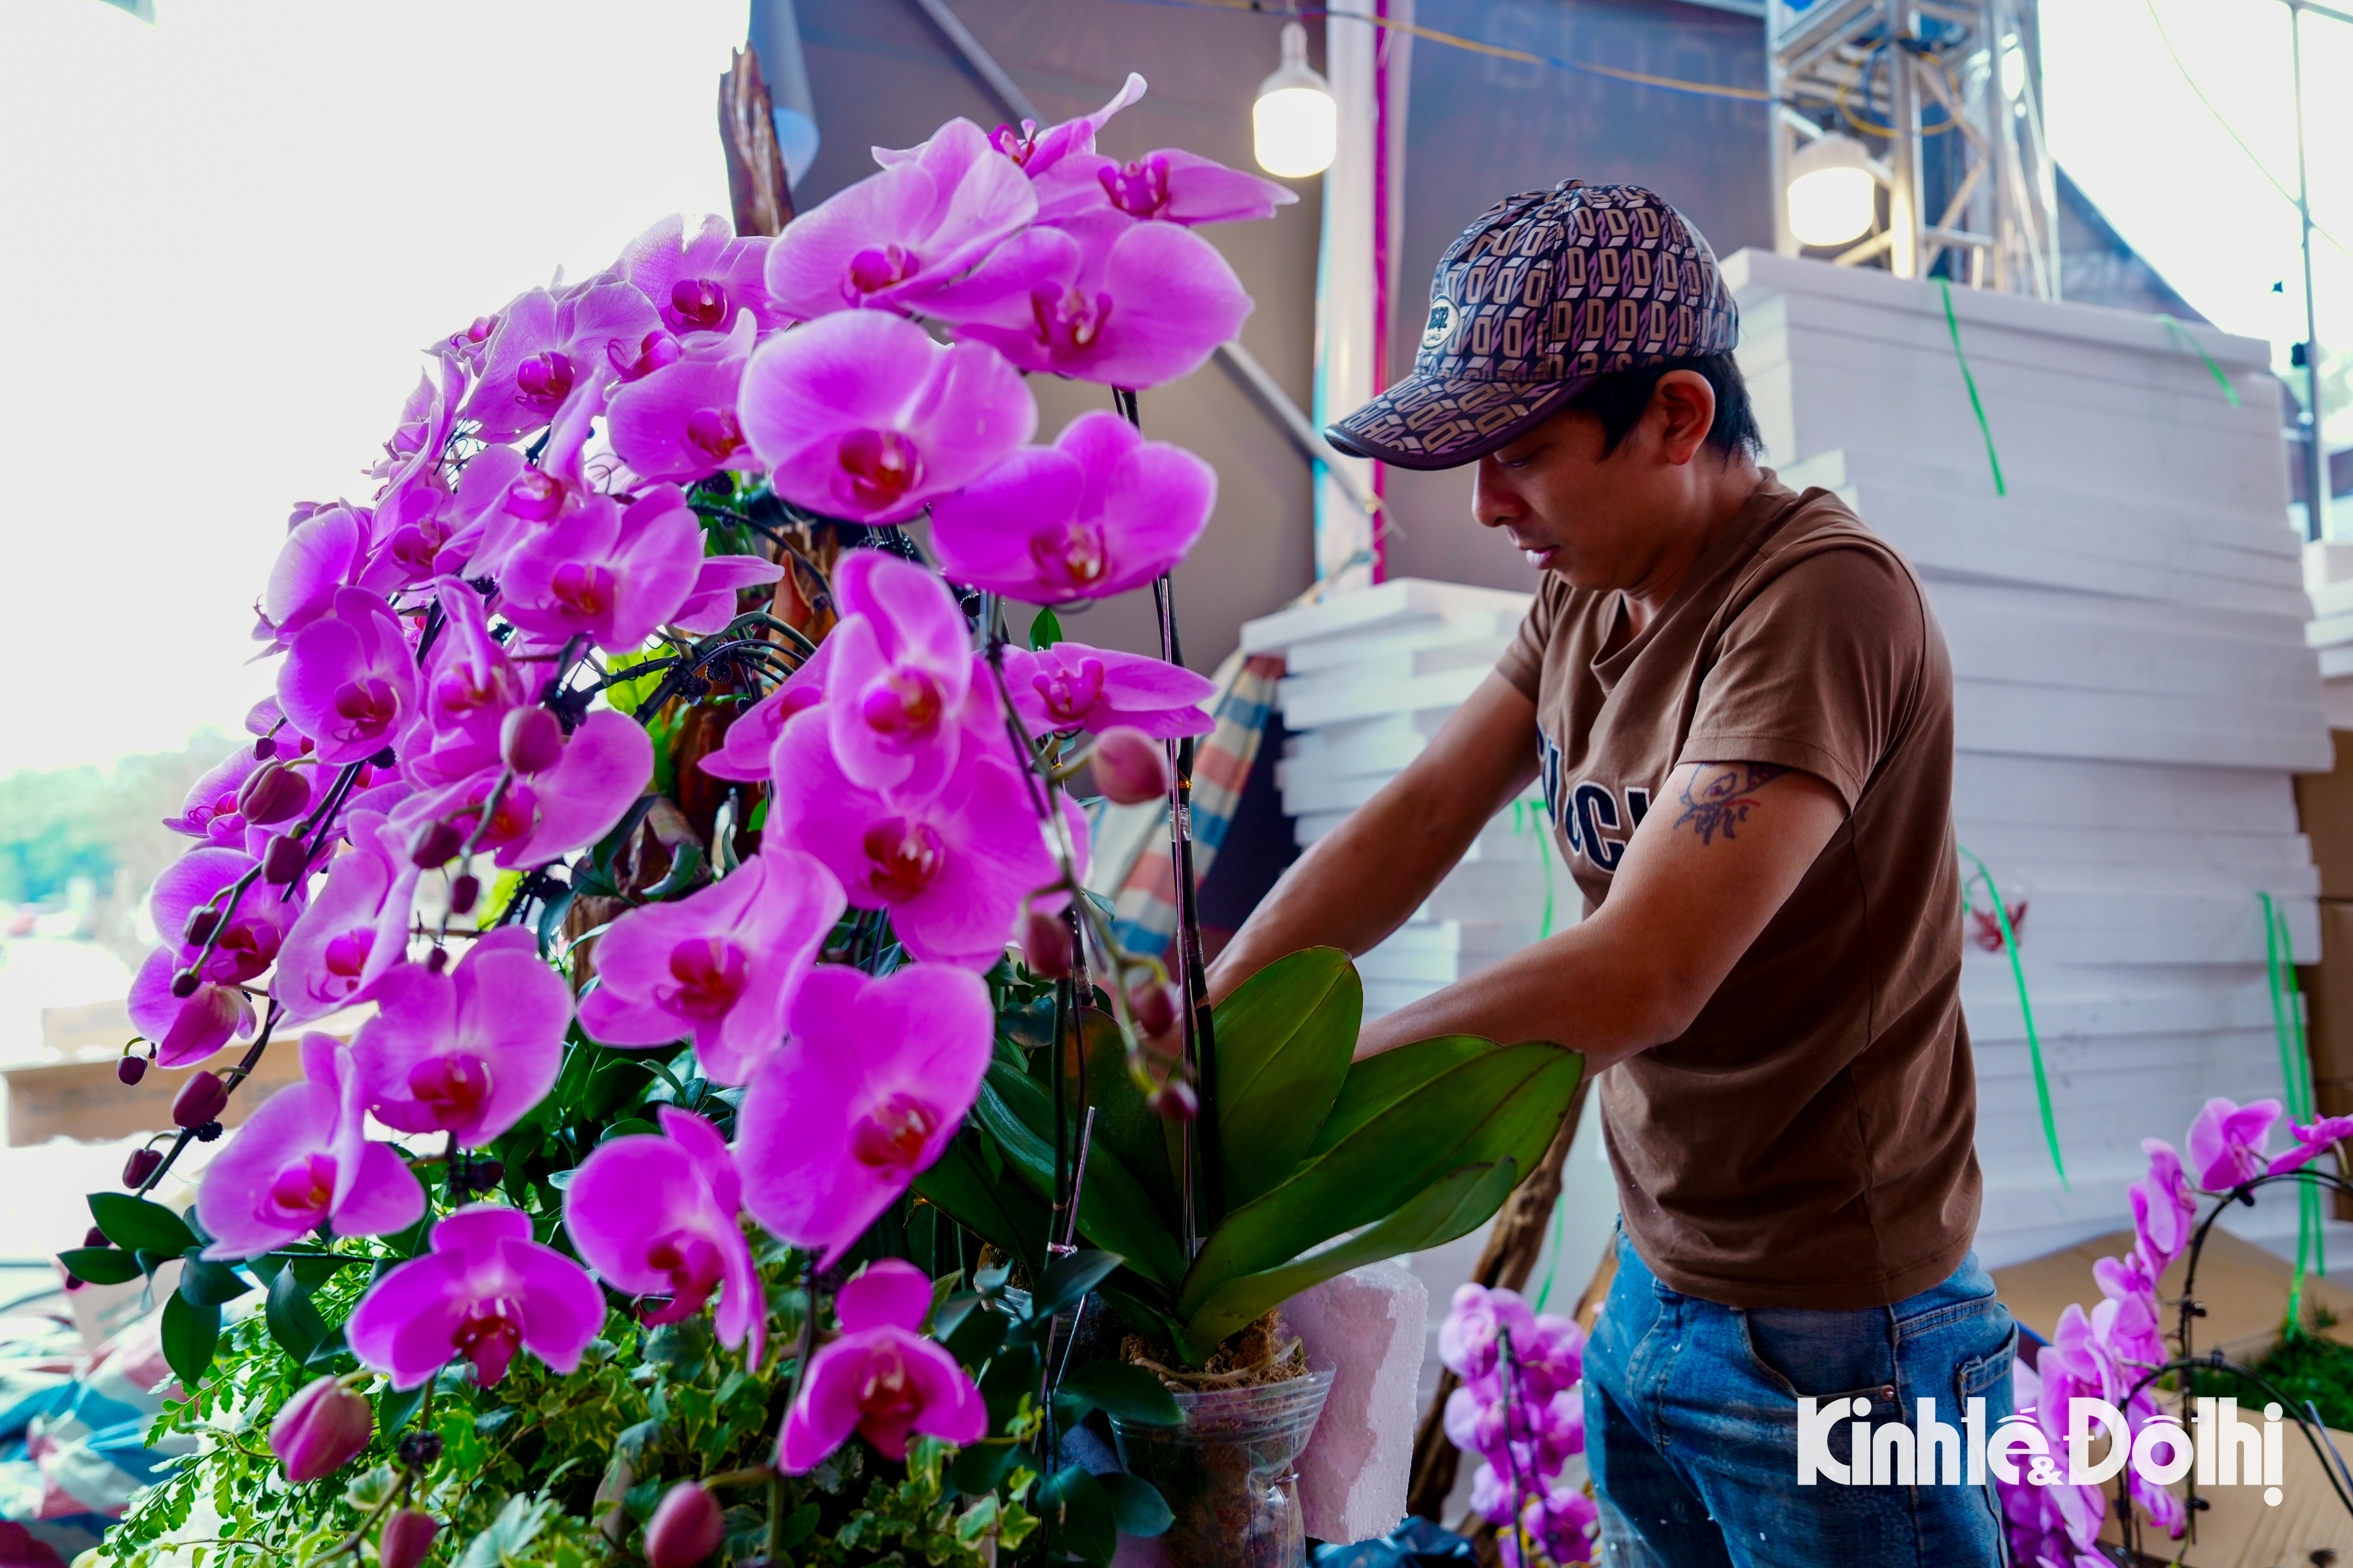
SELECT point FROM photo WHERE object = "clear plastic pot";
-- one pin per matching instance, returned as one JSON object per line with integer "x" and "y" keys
{"x": 1228, "y": 1473}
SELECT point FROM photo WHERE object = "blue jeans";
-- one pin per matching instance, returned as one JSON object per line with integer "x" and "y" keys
{"x": 1691, "y": 1426}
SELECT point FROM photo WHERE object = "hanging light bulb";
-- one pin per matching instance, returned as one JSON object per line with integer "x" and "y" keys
{"x": 1833, "y": 196}
{"x": 1295, "y": 125}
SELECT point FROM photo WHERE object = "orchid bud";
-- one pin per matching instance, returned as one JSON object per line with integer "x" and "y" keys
{"x": 1155, "y": 1007}
{"x": 322, "y": 1429}
{"x": 94, "y": 1237}
{"x": 283, "y": 861}
{"x": 408, "y": 1536}
{"x": 531, "y": 740}
{"x": 1130, "y": 767}
{"x": 139, "y": 1167}
{"x": 201, "y": 1100}
{"x": 185, "y": 982}
{"x": 264, "y": 749}
{"x": 272, "y": 793}
{"x": 1046, "y": 945}
{"x": 1173, "y": 1102}
{"x": 436, "y": 960}
{"x": 686, "y": 1527}
{"x": 420, "y": 1450}
{"x": 199, "y": 928}
{"x": 131, "y": 1068}
{"x": 462, "y": 894}
{"x": 433, "y": 844}
{"x": 210, "y": 1132}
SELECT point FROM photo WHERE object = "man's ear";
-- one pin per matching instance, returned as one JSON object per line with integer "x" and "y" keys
{"x": 1682, "y": 409}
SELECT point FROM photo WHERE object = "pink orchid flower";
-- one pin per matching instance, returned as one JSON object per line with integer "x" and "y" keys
{"x": 678, "y": 421}
{"x": 902, "y": 678}
{"x": 712, "y": 606}
{"x": 895, "y": 238}
{"x": 875, "y": 1082}
{"x": 953, "y": 869}
{"x": 301, "y": 1162}
{"x": 409, "y": 530}
{"x": 720, "y": 966}
{"x": 355, "y": 929}
{"x": 210, "y": 811}
{"x": 657, "y": 1216}
{"x": 747, "y": 751}
{"x": 2311, "y": 1141}
{"x": 2226, "y": 1143}
{"x": 2162, "y": 1206}
{"x": 1469, "y": 1337}
{"x": 543, "y": 817}
{"x": 1105, "y": 299}
{"x": 324, "y": 552}
{"x": 468, "y": 1051}
{"x": 701, "y": 283}
{"x": 470, "y": 685}
{"x": 610, "y": 573}
{"x": 861, "y": 416}
{"x": 188, "y": 1029}
{"x": 881, "y": 1379}
{"x": 349, "y": 681}
{"x": 1563, "y": 1525}
{"x": 1071, "y": 686}
{"x": 548, "y": 352}
{"x": 1041, "y": 154}
{"x": 485, "y": 1291}
{"x": 1100, "y": 512}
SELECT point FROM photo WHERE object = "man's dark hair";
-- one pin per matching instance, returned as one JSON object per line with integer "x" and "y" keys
{"x": 1620, "y": 399}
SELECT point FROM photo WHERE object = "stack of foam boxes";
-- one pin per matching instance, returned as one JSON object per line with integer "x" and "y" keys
{"x": 2133, "y": 688}
{"x": 1370, "y": 676}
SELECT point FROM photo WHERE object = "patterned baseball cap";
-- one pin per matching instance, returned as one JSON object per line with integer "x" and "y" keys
{"x": 1545, "y": 292}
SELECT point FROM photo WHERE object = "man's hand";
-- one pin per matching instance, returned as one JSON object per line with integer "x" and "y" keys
{"x": 1709, "y": 867}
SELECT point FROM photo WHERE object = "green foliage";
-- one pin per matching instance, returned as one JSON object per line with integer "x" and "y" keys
{"x": 1408, "y": 1150}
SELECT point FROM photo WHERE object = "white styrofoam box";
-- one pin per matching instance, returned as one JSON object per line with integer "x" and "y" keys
{"x": 1343, "y": 697}
{"x": 1384, "y": 744}
{"x": 2133, "y": 686}
{"x": 1403, "y": 603}
{"x": 1471, "y": 627}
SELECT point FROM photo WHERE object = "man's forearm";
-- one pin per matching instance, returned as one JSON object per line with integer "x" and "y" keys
{"x": 1572, "y": 989}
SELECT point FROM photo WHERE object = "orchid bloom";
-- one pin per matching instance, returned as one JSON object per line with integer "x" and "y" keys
{"x": 874, "y": 1083}
{"x": 467, "y": 1052}
{"x": 188, "y": 1029}
{"x": 301, "y": 1162}
{"x": 609, "y": 573}
{"x": 324, "y": 552}
{"x": 543, "y": 817}
{"x": 657, "y": 1216}
{"x": 1109, "y": 300}
{"x": 2226, "y": 1143}
{"x": 704, "y": 283}
{"x": 712, "y": 606}
{"x": 746, "y": 752}
{"x": 881, "y": 1379}
{"x": 902, "y": 670}
{"x": 2311, "y": 1142}
{"x": 1071, "y": 686}
{"x": 860, "y": 415}
{"x": 548, "y": 352}
{"x": 895, "y": 238}
{"x": 1100, "y": 512}
{"x": 720, "y": 966}
{"x": 210, "y": 811}
{"x": 410, "y": 529}
{"x": 349, "y": 681}
{"x": 485, "y": 1291}
{"x": 355, "y": 929}
{"x": 678, "y": 421}
{"x": 1469, "y": 1338}
{"x": 1042, "y": 154}
{"x": 2162, "y": 1206}
{"x": 471, "y": 684}
{"x": 952, "y": 870}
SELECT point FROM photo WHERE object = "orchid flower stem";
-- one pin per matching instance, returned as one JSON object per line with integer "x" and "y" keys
{"x": 237, "y": 1075}
{"x": 775, "y": 1515}
{"x": 351, "y": 1543}
{"x": 740, "y": 1477}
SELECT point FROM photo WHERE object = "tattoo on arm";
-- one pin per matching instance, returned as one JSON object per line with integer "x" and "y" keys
{"x": 1720, "y": 797}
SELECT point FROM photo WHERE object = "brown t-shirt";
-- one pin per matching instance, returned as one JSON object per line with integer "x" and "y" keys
{"x": 1810, "y": 1141}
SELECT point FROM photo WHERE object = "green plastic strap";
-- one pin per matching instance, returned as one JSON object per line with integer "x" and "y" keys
{"x": 1977, "y": 405}
{"x": 1560, "y": 1213}
{"x": 2025, "y": 1005}
{"x": 2185, "y": 337}
{"x": 2295, "y": 1077}
{"x": 1520, "y": 815}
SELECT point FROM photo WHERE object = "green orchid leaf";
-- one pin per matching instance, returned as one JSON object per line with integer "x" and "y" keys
{"x": 1127, "y": 1391}
{"x": 1045, "y": 629}
{"x": 1136, "y": 1504}
{"x": 1079, "y": 1513}
{"x": 1379, "y": 1082}
{"x": 189, "y": 1333}
{"x": 291, "y": 1317}
{"x": 1456, "y": 1204}
{"x": 1006, "y": 1215}
{"x": 1124, "y": 1123}
{"x": 1068, "y": 1280}
{"x": 1283, "y": 1041}
{"x": 137, "y": 1225}
{"x": 1503, "y": 1104}
{"x": 100, "y": 1265}
{"x": 1115, "y": 1213}
{"x": 211, "y": 1284}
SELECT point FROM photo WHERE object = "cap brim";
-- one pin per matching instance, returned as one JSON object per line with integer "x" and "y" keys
{"x": 1424, "y": 422}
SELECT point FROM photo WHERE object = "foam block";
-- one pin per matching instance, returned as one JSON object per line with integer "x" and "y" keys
{"x": 1368, "y": 1326}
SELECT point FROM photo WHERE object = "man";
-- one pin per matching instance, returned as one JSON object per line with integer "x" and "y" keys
{"x": 1741, "y": 711}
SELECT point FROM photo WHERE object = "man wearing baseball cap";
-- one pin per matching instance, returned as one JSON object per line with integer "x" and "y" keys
{"x": 1741, "y": 711}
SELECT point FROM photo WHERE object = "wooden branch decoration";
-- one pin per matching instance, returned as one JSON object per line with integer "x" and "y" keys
{"x": 757, "y": 184}
{"x": 1509, "y": 1259}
